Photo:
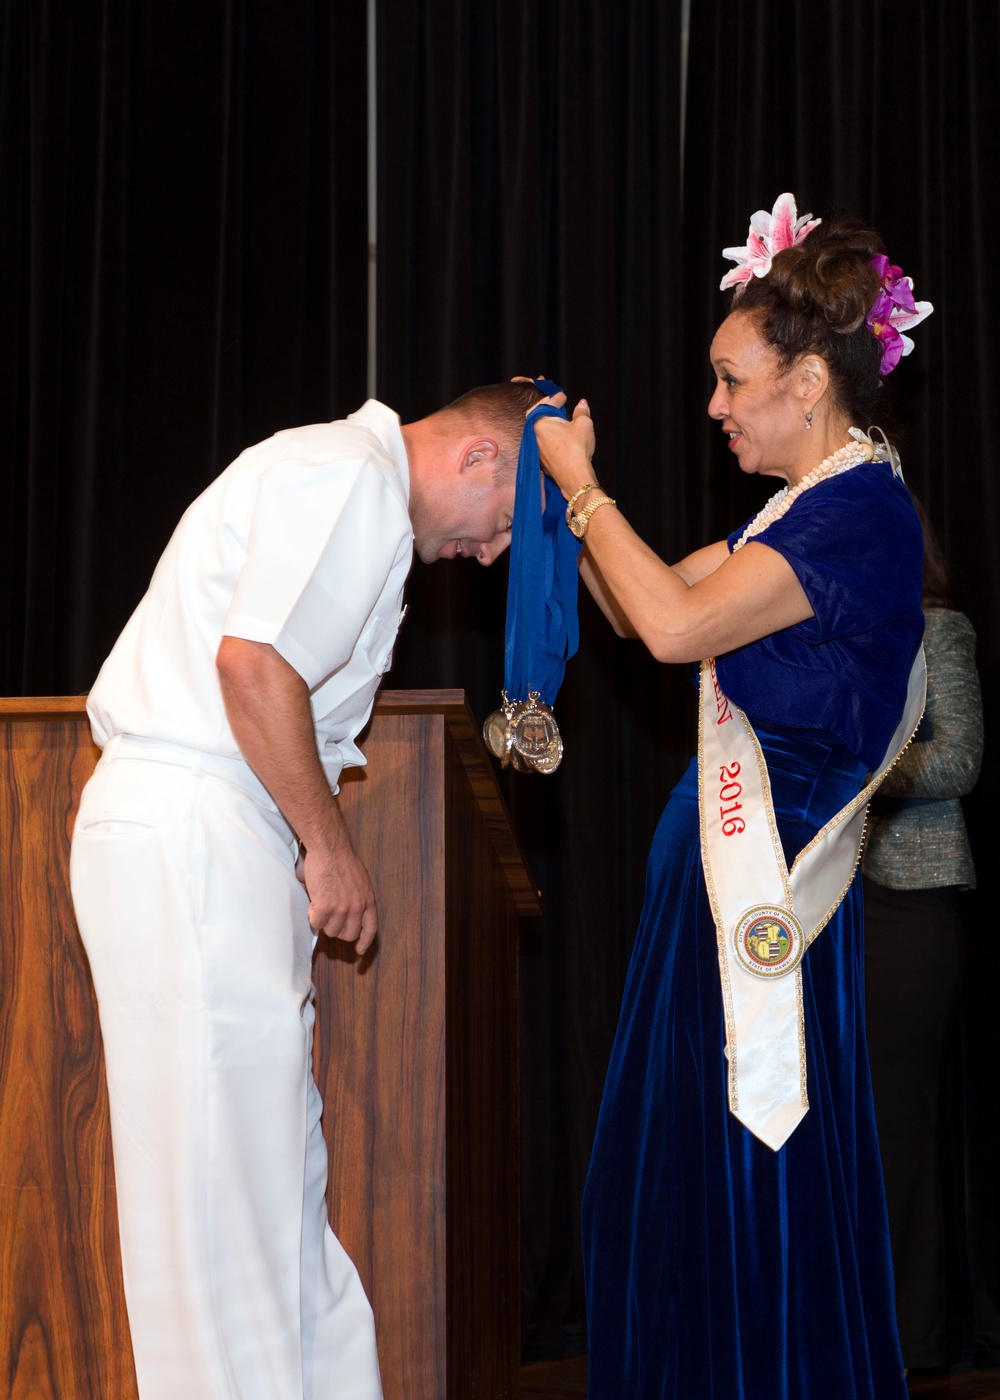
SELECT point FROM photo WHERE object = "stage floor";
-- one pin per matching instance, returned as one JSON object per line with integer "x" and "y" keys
{"x": 567, "y": 1380}
{"x": 555, "y": 1380}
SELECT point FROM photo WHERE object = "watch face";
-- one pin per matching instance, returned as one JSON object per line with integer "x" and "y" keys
{"x": 579, "y": 526}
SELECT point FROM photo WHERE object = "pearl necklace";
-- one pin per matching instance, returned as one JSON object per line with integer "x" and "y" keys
{"x": 852, "y": 454}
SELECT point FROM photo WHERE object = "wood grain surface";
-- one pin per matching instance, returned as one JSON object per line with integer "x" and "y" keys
{"x": 380, "y": 1056}
{"x": 62, "y": 1328}
{"x": 415, "y": 1056}
{"x": 482, "y": 1141}
{"x": 417, "y": 1063}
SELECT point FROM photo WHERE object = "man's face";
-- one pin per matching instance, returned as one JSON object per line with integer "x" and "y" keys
{"x": 465, "y": 516}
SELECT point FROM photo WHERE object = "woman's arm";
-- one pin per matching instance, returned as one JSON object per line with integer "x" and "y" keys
{"x": 697, "y": 566}
{"x": 602, "y": 596}
{"x": 692, "y": 569}
{"x": 750, "y": 595}
{"x": 710, "y": 603}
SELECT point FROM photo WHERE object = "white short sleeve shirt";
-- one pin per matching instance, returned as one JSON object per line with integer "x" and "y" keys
{"x": 303, "y": 542}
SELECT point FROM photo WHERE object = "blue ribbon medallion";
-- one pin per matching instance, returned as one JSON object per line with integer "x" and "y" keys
{"x": 542, "y": 631}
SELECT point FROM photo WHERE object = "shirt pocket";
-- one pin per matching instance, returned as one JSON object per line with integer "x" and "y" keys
{"x": 111, "y": 825}
{"x": 378, "y": 641}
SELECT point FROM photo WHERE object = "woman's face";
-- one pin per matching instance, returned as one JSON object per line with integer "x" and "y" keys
{"x": 755, "y": 403}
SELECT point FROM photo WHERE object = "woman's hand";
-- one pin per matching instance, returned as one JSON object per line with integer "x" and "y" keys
{"x": 567, "y": 449}
{"x": 556, "y": 400}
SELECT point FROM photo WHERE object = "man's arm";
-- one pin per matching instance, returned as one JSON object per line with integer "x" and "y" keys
{"x": 267, "y": 704}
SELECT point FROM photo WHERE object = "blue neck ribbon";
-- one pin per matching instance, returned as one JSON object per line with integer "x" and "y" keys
{"x": 543, "y": 630}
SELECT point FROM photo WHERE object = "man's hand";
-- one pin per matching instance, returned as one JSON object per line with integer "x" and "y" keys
{"x": 341, "y": 898}
{"x": 267, "y": 704}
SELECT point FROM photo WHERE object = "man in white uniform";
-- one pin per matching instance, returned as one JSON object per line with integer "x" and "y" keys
{"x": 226, "y": 712}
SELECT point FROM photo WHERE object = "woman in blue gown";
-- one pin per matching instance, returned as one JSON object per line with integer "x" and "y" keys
{"x": 717, "y": 1268}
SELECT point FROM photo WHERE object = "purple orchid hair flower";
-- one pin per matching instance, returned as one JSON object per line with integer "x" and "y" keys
{"x": 894, "y": 311}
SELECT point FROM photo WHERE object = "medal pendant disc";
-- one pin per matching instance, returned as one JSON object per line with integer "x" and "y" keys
{"x": 768, "y": 941}
{"x": 495, "y": 732}
{"x": 536, "y": 737}
{"x": 549, "y": 762}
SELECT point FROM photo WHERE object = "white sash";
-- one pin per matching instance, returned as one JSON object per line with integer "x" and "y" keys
{"x": 765, "y": 915}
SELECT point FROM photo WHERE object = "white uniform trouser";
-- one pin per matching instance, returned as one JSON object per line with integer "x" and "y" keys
{"x": 199, "y": 943}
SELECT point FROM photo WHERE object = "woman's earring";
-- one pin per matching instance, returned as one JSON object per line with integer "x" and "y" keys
{"x": 808, "y": 418}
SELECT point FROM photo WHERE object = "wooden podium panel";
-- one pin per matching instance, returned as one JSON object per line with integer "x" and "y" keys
{"x": 415, "y": 1057}
{"x": 63, "y": 1331}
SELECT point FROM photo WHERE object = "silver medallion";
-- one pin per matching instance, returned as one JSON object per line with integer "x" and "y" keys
{"x": 524, "y": 735}
{"x": 495, "y": 732}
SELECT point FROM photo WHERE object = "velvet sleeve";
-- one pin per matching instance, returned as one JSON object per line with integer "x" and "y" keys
{"x": 850, "y": 541}
{"x": 855, "y": 545}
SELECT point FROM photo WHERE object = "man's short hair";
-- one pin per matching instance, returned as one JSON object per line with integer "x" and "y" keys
{"x": 498, "y": 409}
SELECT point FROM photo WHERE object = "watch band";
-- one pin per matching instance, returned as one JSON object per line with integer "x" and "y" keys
{"x": 579, "y": 522}
{"x": 590, "y": 486}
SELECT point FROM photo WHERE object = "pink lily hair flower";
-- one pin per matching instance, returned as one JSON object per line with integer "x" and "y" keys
{"x": 894, "y": 311}
{"x": 769, "y": 234}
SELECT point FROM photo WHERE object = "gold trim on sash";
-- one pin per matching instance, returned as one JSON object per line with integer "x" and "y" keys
{"x": 747, "y": 879}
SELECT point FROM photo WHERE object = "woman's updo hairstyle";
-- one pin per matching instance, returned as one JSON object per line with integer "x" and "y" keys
{"x": 815, "y": 299}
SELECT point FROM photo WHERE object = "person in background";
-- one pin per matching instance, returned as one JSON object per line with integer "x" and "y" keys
{"x": 916, "y": 863}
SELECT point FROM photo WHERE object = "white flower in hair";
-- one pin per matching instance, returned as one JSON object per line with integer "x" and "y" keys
{"x": 769, "y": 234}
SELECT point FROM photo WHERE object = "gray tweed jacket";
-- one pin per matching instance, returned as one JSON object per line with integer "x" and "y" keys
{"x": 917, "y": 838}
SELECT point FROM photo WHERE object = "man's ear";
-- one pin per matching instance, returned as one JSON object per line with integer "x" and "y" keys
{"x": 475, "y": 454}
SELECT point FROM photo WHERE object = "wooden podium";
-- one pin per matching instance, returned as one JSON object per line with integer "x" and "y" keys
{"x": 416, "y": 1058}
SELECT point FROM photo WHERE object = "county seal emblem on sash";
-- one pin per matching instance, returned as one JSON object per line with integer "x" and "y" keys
{"x": 768, "y": 941}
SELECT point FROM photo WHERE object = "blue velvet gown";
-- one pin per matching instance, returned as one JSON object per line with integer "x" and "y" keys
{"x": 717, "y": 1269}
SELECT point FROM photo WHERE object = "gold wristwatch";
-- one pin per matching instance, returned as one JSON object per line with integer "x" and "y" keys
{"x": 578, "y": 523}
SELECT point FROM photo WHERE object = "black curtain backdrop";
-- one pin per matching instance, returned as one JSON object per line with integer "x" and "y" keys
{"x": 183, "y": 271}
{"x": 183, "y": 254}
